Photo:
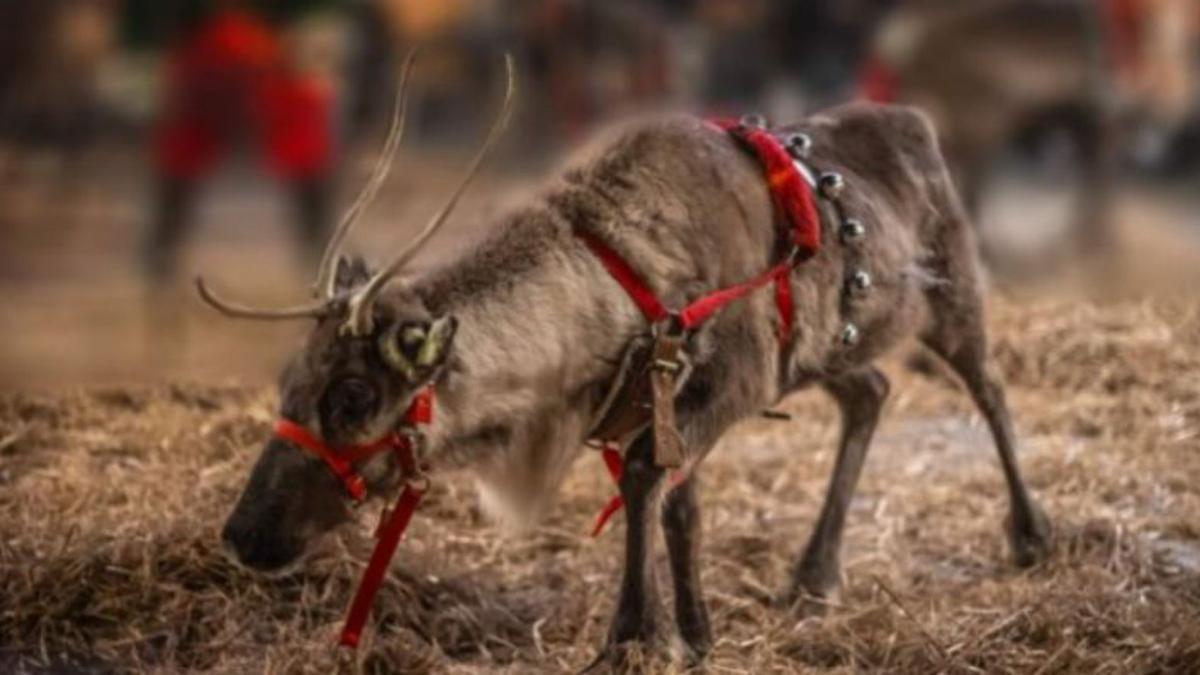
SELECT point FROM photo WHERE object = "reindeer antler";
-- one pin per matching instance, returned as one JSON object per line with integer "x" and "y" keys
{"x": 361, "y": 302}
{"x": 323, "y": 286}
{"x": 314, "y": 310}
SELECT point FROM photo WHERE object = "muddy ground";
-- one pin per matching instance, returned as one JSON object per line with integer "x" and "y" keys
{"x": 123, "y": 446}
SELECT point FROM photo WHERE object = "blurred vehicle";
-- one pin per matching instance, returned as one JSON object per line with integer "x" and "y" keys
{"x": 1105, "y": 72}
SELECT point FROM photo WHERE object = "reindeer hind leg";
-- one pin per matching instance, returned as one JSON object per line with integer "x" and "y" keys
{"x": 957, "y": 335}
{"x": 860, "y": 395}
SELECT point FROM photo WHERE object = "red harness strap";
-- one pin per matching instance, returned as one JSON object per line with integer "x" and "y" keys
{"x": 792, "y": 198}
{"x": 699, "y": 310}
{"x": 641, "y": 294}
{"x": 393, "y": 523}
{"x": 340, "y": 461}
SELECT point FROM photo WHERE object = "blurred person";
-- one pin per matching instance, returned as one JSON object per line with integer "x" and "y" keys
{"x": 370, "y": 68}
{"x": 761, "y": 55}
{"x": 590, "y": 60}
{"x": 990, "y": 71}
{"x": 824, "y": 41}
{"x": 584, "y": 61}
{"x": 737, "y": 55}
{"x": 230, "y": 79}
{"x": 445, "y": 31}
{"x": 50, "y": 111}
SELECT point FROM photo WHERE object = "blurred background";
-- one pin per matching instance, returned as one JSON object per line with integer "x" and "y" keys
{"x": 144, "y": 141}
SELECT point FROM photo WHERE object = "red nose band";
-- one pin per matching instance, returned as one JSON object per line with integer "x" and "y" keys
{"x": 337, "y": 460}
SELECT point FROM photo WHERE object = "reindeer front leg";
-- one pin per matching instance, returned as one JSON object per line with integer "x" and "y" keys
{"x": 638, "y": 614}
{"x": 681, "y": 529}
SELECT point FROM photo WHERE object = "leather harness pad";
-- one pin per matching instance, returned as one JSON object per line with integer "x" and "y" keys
{"x": 653, "y": 371}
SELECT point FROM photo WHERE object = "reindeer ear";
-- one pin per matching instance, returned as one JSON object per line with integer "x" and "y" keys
{"x": 417, "y": 350}
{"x": 351, "y": 272}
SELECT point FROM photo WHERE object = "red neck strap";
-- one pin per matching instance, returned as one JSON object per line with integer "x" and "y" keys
{"x": 793, "y": 199}
{"x": 393, "y": 523}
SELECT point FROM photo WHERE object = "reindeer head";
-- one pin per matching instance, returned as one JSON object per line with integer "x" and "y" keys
{"x": 373, "y": 347}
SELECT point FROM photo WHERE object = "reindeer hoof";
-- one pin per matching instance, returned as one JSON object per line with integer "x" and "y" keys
{"x": 697, "y": 642}
{"x": 810, "y": 596}
{"x": 633, "y": 639}
{"x": 1030, "y": 537}
{"x": 816, "y": 584}
{"x": 805, "y": 604}
{"x": 621, "y": 657}
{"x": 694, "y": 654}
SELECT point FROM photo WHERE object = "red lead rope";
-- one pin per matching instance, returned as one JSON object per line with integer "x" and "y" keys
{"x": 388, "y": 538}
{"x": 393, "y": 524}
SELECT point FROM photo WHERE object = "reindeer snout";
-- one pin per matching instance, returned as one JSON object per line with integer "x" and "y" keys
{"x": 288, "y": 499}
{"x": 258, "y": 548}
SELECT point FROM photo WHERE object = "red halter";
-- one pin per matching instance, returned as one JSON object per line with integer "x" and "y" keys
{"x": 392, "y": 523}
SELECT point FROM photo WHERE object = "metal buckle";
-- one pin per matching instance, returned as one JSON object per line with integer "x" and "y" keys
{"x": 669, "y": 366}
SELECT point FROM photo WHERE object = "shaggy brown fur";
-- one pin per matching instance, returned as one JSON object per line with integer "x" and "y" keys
{"x": 541, "y": 327}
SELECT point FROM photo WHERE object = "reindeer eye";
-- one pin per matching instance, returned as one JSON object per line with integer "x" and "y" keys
{"x": 412, "y": 337}
{"x": 347, "y": 401}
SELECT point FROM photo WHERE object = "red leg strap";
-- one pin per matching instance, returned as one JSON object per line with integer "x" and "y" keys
{"x": 612, "y": 460}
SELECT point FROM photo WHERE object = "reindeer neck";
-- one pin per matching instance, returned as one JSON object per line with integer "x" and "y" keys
{"x": 534, "y": 334}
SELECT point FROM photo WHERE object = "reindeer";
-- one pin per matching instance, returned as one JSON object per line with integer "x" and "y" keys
{"x": 988, "y": 71}
{"x": 522, "y": 335}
